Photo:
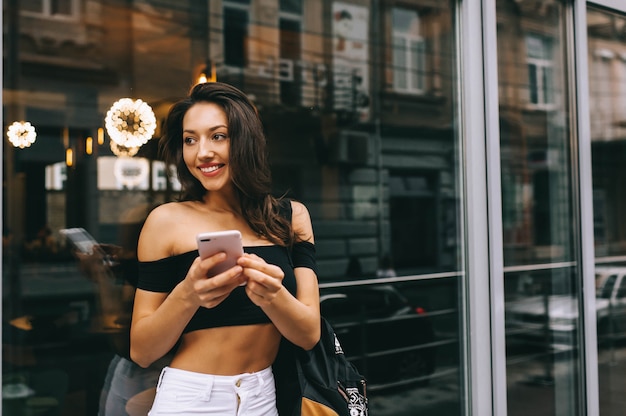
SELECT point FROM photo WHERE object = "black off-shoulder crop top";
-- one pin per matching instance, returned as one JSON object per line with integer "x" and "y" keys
{"x": 237, "y": 309}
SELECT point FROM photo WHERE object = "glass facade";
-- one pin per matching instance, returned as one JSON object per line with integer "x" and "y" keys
{"x": 368, "y": 108}
{"x": 538, "y": 208}
{"x": 607, "y": 100}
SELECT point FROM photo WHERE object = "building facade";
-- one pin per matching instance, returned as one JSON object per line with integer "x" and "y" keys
{"x": 462, "y": 162}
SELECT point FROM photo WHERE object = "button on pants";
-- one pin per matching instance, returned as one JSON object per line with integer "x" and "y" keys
{"x": 181, "y": 392}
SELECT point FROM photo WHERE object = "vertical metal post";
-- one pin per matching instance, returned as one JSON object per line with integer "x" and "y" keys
{"x": 588, "y": 335}
{"x": 483, "y": 333}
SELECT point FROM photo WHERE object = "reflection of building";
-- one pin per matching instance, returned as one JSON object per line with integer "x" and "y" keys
{"x": 387, "y": 156}
{"x": 384, "y": 156}
{"x": 533, "y": 123}
{"x": 607, "y": 60}
{"x": 532, "y": 95}
{"x": 73, "y": 60}
{"x": 383, "y": 133}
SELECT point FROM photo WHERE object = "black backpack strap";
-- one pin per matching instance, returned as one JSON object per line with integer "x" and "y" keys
{"x": 284, "y": 208}
{"x": 288, "y": 389}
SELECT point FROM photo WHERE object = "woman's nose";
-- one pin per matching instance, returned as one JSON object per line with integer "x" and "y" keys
{"x": 206, "y": 149}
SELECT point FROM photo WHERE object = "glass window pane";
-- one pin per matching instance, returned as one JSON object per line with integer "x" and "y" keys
{"x": 408, "y": 58}
{"x": 399, "y": 63}
{"x": 621, "y": 99}
{"x": 548, "y": 86}
{"x": 534, "y": 45}
{"x": 291, "y": 6}
{"x": 235, "y": 36}
{"x": 379, "y": 171}
{"x": 533, "y": 86}
{"x": 290, "y": 51}
{"x": 404, "y": 20}
{"x": 62, "y": 7}
{"x": 418, "y": 57}
{"x": 607, "y": 106}
{"x": 399, "y": 47}
{"x": 542, "y": 277}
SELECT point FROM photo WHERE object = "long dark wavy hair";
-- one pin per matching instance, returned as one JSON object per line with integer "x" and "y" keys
{"x": 248, "y": 161}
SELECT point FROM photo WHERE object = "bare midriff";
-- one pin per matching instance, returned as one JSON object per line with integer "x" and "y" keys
{"x": 228, "y": 350}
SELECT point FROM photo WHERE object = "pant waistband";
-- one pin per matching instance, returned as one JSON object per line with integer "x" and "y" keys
{"x": 251, "y": 382}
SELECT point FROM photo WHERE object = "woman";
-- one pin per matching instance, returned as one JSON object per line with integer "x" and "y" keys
{"x": 225, "y": 334}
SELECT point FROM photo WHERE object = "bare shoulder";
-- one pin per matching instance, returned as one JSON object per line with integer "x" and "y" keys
{"x": 154, "y": 242}
{"x": 299, "y": 210}
{"x": 165, "y": 215}
{"x": 301, "y": 221}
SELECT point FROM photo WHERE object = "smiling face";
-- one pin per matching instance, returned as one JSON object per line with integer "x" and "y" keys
{"x": 206, "y": 145}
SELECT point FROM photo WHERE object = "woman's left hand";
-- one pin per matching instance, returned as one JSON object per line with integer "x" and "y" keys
{"x": 264, "y": 280}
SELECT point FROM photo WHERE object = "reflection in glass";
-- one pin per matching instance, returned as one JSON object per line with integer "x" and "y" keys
{"x": 607, "y": 105}
{"x": 541, "y": 274}
{"x": 400, "y": 335}
{"x": 408, "y": 51}
{"x": 361, "y": 128}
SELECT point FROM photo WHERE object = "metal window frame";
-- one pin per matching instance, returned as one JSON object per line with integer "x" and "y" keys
{"x": 579, "y": 85}
{"x": 484, "y": 354}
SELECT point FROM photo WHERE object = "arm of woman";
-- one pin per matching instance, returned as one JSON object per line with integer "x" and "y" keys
{"x": 159, "y": 319}
{"x": 297, "y": 318}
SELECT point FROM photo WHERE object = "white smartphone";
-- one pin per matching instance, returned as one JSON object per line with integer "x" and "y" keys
{"x": 81, "y": 239}
{"x": 214, "y": 242}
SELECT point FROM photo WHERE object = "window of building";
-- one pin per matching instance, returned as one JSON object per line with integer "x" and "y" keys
{"x": 291, "y": 6}
{"x": 409, "y": 52}
{"x": 350, "y": 61}
{"x": 236, "y": 19}
{"x": 602, "y": 108}
{"x": 51, "y": 8}
{"x": 540, "y": 70}
{"x": 290, "y": 23}
{"x": 621, "y": 81}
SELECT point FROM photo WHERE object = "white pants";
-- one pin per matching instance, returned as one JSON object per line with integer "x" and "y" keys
{"x": 181, "y": 392}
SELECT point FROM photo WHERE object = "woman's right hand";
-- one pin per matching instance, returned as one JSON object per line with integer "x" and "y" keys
{"x": 211, "y": 291}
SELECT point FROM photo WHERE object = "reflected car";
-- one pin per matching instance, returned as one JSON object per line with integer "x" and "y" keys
{"x": 382, "y": 333}
{"x": 528, "y": 317}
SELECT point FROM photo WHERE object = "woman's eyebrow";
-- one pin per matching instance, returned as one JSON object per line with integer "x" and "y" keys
{"x": 210, "y": 128}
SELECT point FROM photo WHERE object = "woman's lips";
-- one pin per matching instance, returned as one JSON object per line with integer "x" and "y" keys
{"x": 211, "y": 169}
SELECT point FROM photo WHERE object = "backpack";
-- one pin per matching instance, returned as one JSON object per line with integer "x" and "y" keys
{"x": 330, "y": 384}
{"x": 320, "y": 381}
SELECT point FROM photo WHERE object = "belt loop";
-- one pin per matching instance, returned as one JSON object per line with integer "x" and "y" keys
{"x": 161, "y": 377}
{"x": 261, "y": 382}
{"x": 208, "y": 388}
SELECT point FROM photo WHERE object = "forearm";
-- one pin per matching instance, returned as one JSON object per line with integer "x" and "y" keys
{"x": 295, "y": 320}
{"x": 155, "y": 334}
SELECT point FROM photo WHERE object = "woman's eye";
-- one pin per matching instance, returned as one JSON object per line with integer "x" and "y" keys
{"x": 220, "y": 136}
{"x": 188, "y": 140}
